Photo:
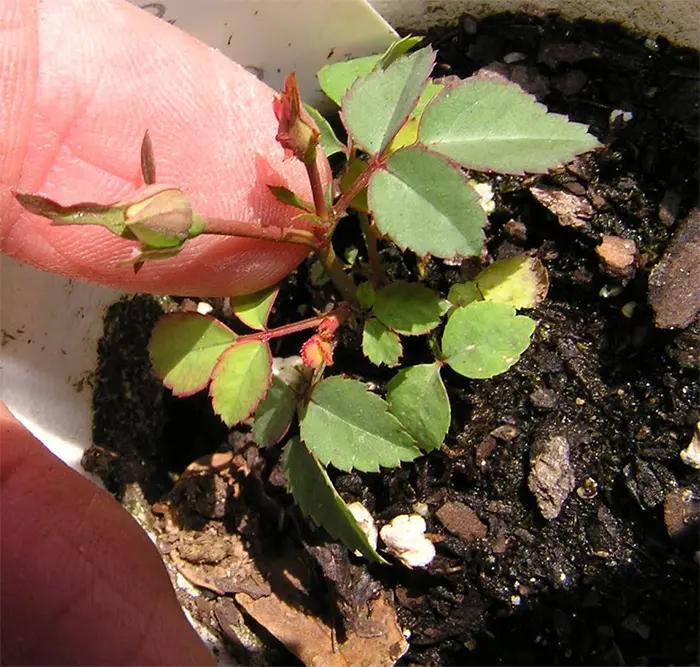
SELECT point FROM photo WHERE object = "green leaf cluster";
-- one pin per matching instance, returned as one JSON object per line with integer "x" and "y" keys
{"x": 410, "y": 140}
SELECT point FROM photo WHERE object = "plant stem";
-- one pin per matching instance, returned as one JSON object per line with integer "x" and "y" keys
{"x": 332, "y": 266}
{"x": 370, "y": 233}
{"x": 253, "y": 230}
{"x": 359, "y": 183}
{"x": 341, "y": 312}
{"x": 317, "y": 190}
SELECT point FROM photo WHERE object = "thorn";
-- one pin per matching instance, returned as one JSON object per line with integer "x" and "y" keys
{"x": 148, "y": 165}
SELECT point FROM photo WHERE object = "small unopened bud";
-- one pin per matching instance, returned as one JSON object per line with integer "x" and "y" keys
{"x": 161, "y": 218}
{"x": 297, "y": 132}
{"x": 317, "y": 351}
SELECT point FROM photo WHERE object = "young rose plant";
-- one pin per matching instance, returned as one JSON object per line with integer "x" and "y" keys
{"x": 411, "y": 142}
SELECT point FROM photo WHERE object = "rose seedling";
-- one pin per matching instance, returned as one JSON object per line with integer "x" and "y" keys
{"x": 411, "y": 142}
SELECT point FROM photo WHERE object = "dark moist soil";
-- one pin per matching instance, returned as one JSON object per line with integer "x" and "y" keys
{"x": 613, "y": 579}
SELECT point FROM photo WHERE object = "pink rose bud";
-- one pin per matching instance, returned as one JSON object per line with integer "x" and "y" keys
{"x": 162, "y": 217}
{"x": 297, "y": 132}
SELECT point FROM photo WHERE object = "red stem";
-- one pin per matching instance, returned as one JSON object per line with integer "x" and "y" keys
{"x": 253, "y": 230}
{"x": 341, "y": 312}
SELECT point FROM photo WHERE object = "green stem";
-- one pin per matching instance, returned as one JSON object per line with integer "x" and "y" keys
{"x": 332, "y": 266}
{"x": 369, "y": 231}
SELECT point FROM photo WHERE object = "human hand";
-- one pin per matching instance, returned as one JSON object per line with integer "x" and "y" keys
{"x": 80, "y": 81}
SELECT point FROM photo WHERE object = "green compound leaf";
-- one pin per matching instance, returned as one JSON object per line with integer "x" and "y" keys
{"x": 484, "y": 339}
{"x": 424, "y": 203}
{"x": 254, "y": 309}
{"x": 379, "y": 344}
{"x": 462, "y": 294}
{"x": 408, "y": 134}
{"x": 408, "y": 308}
{"x": 397, "y": 49}
{"x": 313, "y": 491}
{"x": 376, "y": 106}
{"x": 274, "y": 414}
{"x": 184, "y": 349}
{"x": 348, "y": 426}
{"x": 491, "y": 124}
{"x": 240, "y": 380}
{"x": 336, "y": 79}
{"x": 521, "y": 282}
{"x": 418, "y": 399}
{"x": 329, "y": 143}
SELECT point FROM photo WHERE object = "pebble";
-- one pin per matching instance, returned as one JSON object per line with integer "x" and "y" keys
{"x": 618, "y": 256}
{"x": 462, "y": 521}
{"x": 674, "y": 284}
{"x": 691, "y": 454}
{"x": 551, "y": 477}
{"x": 681, "y": 513}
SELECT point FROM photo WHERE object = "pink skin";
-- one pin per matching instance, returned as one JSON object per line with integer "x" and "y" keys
{"x": 80, "y": 82}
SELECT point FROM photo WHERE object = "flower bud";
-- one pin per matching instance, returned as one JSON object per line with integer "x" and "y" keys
{"x": 161, "y": 218}
{"x": 297, "y": 132}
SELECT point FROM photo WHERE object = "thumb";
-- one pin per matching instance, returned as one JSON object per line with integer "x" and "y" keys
{"x": 80, "y": 82}
{"x": 81, "y": 582}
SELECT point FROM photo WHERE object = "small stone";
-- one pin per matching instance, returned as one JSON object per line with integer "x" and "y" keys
{"x": 462, "y": 521}
{"x": 691, "y": 454}
{"x": 514, "y": 57}
{"x": 668, "y": 208}
{"x": 516, "y": 230}
{"x": 544, "y": 399}
{"x": 617, "y": 255}
{"x": 571, "y": 210}
{"x": 674, "y": 284}
{"x": 469, "y": 25}
{"x": 588, "y": 489}
{"x": 551, "y": 477}
{"x": 570, "y": 83}
{"x": 681, "y": 514}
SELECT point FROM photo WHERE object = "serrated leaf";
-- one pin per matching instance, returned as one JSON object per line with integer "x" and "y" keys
{"x": 492, "y": 124}
{"x": 274, "y": 414}
{"x": 424, "y": 203}
{"x": 348, "y": 426}
{"x": 184, "y": 349}
{"x": 336, "y": 79}
{"x": 376, "y": 106}
{"x": 240, "y": 380}
{"x": 408, "y": 308}
{"x": 408, "y": 134}
{"x": 254, "y": 309}
{"x": 418, "y": 399}
{"x": 317, "y": 498}
{"x": 286, "y": 196}
{"x": 365, "y": 295}
{"x": 462, "y": 294}
{"x": 397, "y": 49}
{"x": 484, "y": 339}
{"x": 521, "y": 282}
{"x": 379, "y": 344}
{"x": 329, "y": 143}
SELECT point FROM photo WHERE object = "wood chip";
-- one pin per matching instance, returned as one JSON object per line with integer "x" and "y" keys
{"x": 313, "y": 642}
